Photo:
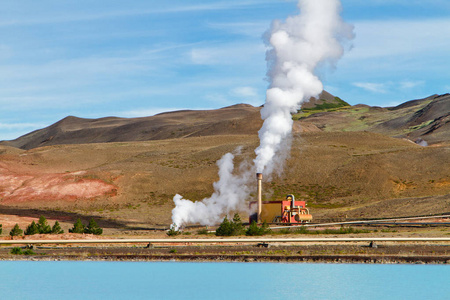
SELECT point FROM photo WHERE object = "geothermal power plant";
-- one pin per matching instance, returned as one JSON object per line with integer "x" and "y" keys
{"x": 288, "y": 211}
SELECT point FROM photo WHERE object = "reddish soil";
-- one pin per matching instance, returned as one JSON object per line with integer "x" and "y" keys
{"x": 17, "y": 186}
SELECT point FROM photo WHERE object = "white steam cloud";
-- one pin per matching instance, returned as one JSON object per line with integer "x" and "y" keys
{"x": 298, "y": 46}
{"x": 228, "y": 194}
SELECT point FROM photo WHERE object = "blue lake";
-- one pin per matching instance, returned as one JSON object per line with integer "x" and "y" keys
{"x": 184, "y": 280}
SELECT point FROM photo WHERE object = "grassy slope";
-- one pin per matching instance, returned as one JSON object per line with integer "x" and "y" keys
{"x": 412, "y": 120}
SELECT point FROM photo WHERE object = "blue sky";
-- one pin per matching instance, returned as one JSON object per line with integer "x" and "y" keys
{"x": 139, "y": 57}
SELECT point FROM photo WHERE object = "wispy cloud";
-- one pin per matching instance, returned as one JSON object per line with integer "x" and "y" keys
{"x": 162, "y": 8}
{"x": 146, "y": 112}
{"x": 252, "y": 29}
{"x": 16, "y": 126}
{"x": 411, "y": 84}
{"x": 371, "y": 87}
{"x": 227, "y": 54}
{"x": 244, "y": 92}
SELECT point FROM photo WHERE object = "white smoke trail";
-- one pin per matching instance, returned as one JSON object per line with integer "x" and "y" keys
{"x": 298, "y": 46}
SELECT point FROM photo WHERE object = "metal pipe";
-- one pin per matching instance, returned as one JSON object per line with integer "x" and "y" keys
{"x": 259, "y": 192}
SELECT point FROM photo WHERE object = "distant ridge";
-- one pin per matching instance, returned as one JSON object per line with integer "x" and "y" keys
{"x": 235, "y": 119}
{"x": 427, "y": 119}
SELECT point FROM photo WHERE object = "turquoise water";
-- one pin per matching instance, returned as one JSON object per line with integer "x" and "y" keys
{"x": 179, "y": 280}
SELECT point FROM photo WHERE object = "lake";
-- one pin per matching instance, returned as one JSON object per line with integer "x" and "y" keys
{"x": 206, "y": 280}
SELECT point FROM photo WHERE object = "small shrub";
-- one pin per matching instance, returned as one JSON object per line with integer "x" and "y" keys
{"x": 173, "y": 251}
{"x": 93, "y": 228}
{"x": 16, "y": 231}
{"x": 237, "y": 226}
{"x": 32, "y": 229}
{"x": 16, "y": 250}
{"x": 203, "y": 231}
{"x": 42, "y": 226}
{"x": 173, "y": 231}
{"x": 1, "y": 228}
{"x": 224, "y": 228}
{"x": 254, "y": 229}
{"x": 227, "y": 228}
{"x": 56, "y": 229}
{"x": 78, "y": 227}
{"x": 28, "y": 252}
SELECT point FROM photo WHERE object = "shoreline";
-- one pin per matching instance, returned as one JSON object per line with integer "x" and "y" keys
{"x": 389, "y": 253}
{"x": 344, "y": 259}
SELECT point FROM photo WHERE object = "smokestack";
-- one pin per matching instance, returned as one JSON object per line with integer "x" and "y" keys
{"x": 259, "y": 192}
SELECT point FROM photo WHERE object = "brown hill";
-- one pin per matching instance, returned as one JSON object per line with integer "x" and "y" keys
{"x": 237, "y": 119}
{"x": 427, "y": 119}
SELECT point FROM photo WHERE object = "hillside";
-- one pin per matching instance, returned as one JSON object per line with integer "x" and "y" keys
{"x": 236, "y": 119}
{"x": 131, "y": 185}
{"x": 426, "y": 119}
{"x": 341, "y": 168}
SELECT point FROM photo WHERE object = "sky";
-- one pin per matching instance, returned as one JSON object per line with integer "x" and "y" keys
{"x": 96, "y": 58}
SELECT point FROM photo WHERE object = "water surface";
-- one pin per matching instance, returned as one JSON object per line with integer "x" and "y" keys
{"x": 188, "y": 280}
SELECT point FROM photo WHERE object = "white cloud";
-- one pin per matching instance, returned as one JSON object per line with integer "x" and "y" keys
{"x": 146, "y": 112}
{"x": 372, "y": 87}
{"x": 244, "y": 92}
{"x": 400, "y": 38}
{"x": 411, "y": 84}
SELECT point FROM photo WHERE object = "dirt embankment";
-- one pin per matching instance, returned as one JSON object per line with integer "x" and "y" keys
{"x": 349, "y": 253}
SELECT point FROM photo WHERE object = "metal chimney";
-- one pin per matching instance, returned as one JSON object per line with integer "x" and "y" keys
{"x": 259, "y": 192}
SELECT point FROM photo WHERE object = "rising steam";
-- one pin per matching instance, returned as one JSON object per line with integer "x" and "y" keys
{"x": 297, "y": 47}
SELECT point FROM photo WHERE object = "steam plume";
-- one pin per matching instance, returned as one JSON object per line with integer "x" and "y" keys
{"x": 298, "y": 46}
{"x": 228, "y": 196}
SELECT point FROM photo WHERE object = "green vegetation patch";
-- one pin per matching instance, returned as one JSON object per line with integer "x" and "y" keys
{"x": 16, "y": 231}
{"x": 422, "y": 125}
{"x": 230, "y": 228}
{"x": 328, "y": 105}
{"x": 255, "y": 230}
{"x": 92, "y": 228}
{"x": 19, "y": 251}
